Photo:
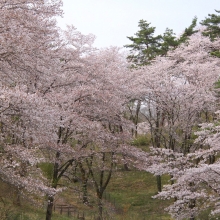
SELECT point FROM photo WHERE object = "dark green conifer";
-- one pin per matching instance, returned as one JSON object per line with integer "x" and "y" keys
{"x": 145, "y": 46}
{"x": 212, "y": 24}
{"x": 188, "y": 31}
{"x": 169, "y": 42}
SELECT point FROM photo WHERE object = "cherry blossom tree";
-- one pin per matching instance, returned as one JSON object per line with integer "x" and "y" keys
{"x": 58, "y": 96}
{"x": 176, "y": 89}
{"x": 195, "y": 185}
{"x": 28, "y": 36}
{"x": 90, "y": 96}
{"x": 63, "y": 101}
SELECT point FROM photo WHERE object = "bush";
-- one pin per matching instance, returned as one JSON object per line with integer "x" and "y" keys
{"x": 142, "y": 140}
{"x": 47, "y": 169}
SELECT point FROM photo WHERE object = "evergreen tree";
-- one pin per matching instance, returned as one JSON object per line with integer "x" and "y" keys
{"x": 145, "y": 46}
{"x": 169, "y": 41}
{"x": 188, "y": 31}
{"x": 212, "y": 24}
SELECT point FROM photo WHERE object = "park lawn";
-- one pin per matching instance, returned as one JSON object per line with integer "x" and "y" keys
{"x": 128, "y": 196}
{"x": 132, "y": 193}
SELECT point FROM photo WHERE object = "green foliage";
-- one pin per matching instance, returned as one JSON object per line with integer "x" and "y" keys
{"x": 217, "y": 87}
{"x": 142, "y": 140}
{"x": 15, "y": 118}
{"x": 21, "y": 216}
{"x": 169, "y": 41}
{"x": 133, "y": 191}
{"x": 29, "y": 213}
{"x": 188, "y": 31}
{"x": 206, "y": 215}
{"x": 73, "y": 142}
{"x": 215, "y": 53}
{"x": 47, "y": 169}
{"x": 212, "y": 26}
{"x": 145, "y": 46}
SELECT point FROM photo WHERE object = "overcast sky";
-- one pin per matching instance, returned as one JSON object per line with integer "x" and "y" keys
{"x": 112, "y": 20}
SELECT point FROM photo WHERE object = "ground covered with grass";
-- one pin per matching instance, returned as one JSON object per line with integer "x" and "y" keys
{"x": 133, "y": 191}
{"x": 128, "y": 196}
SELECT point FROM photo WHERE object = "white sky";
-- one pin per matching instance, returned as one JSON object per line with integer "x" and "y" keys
{"x": 111, "y": 21}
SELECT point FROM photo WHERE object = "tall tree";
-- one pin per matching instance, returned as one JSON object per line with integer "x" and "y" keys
{"x": 91, "y": 99}
{"x": 170, "y": 41}
{"x": 186, "y": 90}
{"x": 55, "y": 89}
{"x": 212, "y": 29}
{"x": 212, "y": 26}
{"x": 144, "y": 49}
{"x": 188, "y": 31}
{"x": 28, "y": 37}
{"x": 145, "y": 46}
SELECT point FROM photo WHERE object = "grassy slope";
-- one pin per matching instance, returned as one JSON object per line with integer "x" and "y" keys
{"x": 128, "y": 197}
{"x": 132, "y": 191}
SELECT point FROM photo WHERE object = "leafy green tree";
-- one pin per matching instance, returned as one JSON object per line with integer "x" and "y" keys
{"x": 169, "y": 41}
{"x": 145, "y": 46}
{"x": 212, "y": 26}
{"x": 188, "y": 31}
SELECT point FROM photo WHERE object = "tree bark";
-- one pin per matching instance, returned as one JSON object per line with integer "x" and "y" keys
{"x": 54, "y": 185}
{"x": 159, "y": 184}
{"x": 100, "y": 208}
{"x": 102, "y": 183}
{"x": 84, "y": 183}
{"x": 49, "y": 207}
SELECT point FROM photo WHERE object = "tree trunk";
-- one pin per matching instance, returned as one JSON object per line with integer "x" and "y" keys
{"x": 159, "y": 184}
{"x": 49, "y": 208}
{"x": 100, "y": 209}
{"x": 85, "y": 177}
{"x": 211, "y": 159}
{"x": 137, "y": 117}
{"x": 85, "y": 193}
{"x": 125, "y": 163}
{"x": 101, "y": 184}
{"x": 171, "y": 180}
{"x": 54, "y": 185}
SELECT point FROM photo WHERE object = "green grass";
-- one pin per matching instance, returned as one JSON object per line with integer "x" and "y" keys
{"x": 133, "y": 191}
{"x": 128, "y": 197}
{"x": 142, "y": 140}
